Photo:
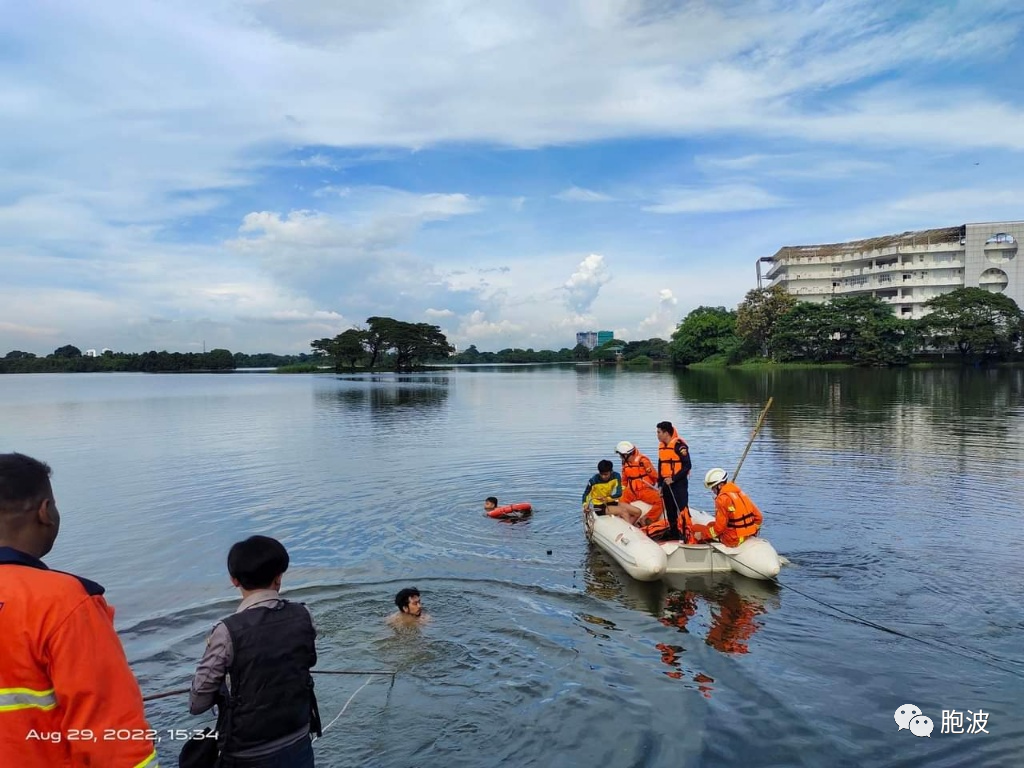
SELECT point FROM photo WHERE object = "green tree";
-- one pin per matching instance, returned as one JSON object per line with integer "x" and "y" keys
{"x": 218, "y": 360}
{"x": 858, "y": 329}
{"x": 349, "y": 346}
{"x": 705, "y": 332}
{"x": 759, "y": 313}
{"x": 67, "y": 350}
{"x": 654, "y": 349}
{"x": 580, "y": 352}
{"x": 380, "y": 334}
{"x": 608, "y": 351}
{"x": 978, "y": 323}
{"x": 19, "y": 355}
{"x": 469, "y": 355}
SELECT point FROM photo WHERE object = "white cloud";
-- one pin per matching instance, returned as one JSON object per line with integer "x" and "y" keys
{"x": 581, "y": 195}
{"x": 663, "y": 320}
{"x": 734, "y": 197}
{"x": 436, "y": 314}
{"x": 583, "y": 286}
{"x": 192, "y": 117}
{"x": 318, "y": 161}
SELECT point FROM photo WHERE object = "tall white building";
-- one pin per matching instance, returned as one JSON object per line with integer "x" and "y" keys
{"x": 908, "y": 269}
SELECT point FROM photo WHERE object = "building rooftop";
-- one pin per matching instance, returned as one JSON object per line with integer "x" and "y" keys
{"x": 917, "y": 237}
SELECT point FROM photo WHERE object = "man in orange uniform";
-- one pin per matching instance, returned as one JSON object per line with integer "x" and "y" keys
{"x": 68, "y": 698}
{"x": 736, "y": 516}
{"x": 639, "y": 481}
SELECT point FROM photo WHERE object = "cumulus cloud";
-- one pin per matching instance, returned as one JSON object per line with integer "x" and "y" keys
{"x": 328, "y": 254}
{"x": 437, "y": 314}
{"x": 583, "y": 286}
{"x": 233, "y": 109}
{"x": 663, "y": 320}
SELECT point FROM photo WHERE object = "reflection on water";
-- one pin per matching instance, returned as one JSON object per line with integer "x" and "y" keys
{"x": 396, "y": 395}
{"x": 725, "y": 610}
{"x": 896, "y": 494}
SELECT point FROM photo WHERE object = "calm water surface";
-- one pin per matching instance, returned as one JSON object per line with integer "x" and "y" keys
{"x": 897, "y": 495}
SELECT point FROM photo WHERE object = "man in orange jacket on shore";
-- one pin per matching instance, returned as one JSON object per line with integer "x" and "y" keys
{"x": 67, "y": 695}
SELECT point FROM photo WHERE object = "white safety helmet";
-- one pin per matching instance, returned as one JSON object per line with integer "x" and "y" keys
{"x": 714, "y": 477}
{"x": 625, "y": 448}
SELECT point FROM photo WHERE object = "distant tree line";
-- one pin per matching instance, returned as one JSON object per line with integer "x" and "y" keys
{"x": 69, "y": 359}
{"x": 770, "y": 324}
{"x": 615, "y": 350}
{"x": 385, "y": 343}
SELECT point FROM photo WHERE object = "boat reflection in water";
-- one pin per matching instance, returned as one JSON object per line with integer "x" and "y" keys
{"x": 726, "y": 610}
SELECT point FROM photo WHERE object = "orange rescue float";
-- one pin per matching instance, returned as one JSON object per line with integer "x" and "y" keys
{"x": 511, "y": 510}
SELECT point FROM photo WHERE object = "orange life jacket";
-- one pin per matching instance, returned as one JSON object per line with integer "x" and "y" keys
{"x": 668, "y": 458}
{"x": 67, "y": 694}
{"x": 736, "y": 516}
{"x": 638, "y": 473}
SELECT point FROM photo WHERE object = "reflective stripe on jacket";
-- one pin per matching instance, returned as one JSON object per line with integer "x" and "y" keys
{"x": 736, "y": 516}
{"x": 68, "y": 698}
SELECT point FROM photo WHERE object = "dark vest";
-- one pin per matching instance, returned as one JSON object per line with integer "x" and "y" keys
{"x": 271, "y": 687}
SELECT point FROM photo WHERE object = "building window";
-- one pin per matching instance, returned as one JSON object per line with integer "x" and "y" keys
{"x": 1000, "y": 248}
{"x": 994, "y": 280}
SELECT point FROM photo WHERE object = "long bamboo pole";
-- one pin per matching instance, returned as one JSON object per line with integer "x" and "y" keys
{"x": 757, "y": 428}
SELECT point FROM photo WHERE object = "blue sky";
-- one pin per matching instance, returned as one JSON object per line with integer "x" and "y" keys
{"x": 255, "y": 174}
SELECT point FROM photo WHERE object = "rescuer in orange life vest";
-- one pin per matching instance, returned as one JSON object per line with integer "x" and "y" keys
{"x": 67, "y": 694}
{"x": 736, "y": 516}
{"x": 674, "y": 466}
{"x": 639, "y": 481}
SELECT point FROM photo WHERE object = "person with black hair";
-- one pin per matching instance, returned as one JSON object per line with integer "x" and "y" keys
{"x": 63, "y": 671}
{"x": 265, "y": 650}
{"x": 490, "y": 503}
{"x": 410, "y": 609}
{"x": 603, "y": 489}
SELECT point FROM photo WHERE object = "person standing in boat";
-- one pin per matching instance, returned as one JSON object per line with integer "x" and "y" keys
{"x": 737, "y": 518}
{"x": 639, "y": 480}
{"x": 674, "y": 466}
{"x": 266, "y": 649}
{"x": 603, "y": 489}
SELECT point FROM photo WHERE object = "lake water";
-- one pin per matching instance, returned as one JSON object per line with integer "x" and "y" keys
{"x": 897, "y": 495}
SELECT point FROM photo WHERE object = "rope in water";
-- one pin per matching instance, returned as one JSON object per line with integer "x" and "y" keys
{"x": 973, "y": 655}
{"x": 390, "y": 673}
{"x": 324, "y": 729}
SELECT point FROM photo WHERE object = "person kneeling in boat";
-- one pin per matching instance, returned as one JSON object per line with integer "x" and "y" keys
{"x": 737, "y": 518}
{"x": 603, "y": 489}
{"x": 640, "y": 479}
